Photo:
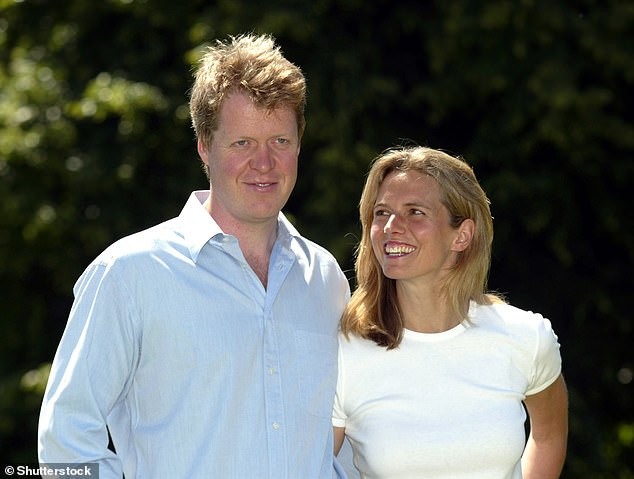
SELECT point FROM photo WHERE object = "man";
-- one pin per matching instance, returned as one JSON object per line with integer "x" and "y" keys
{"x": 206, "y": 346}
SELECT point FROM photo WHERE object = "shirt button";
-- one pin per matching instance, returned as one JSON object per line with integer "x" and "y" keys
{"x": 275, "y": 425}
{"x": 272, "y": 371}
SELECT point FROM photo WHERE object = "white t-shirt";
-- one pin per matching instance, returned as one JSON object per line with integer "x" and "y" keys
{"x": 446, "y": 405}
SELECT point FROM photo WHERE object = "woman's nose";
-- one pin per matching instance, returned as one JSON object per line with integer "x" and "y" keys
{"x": 393, "y": 224}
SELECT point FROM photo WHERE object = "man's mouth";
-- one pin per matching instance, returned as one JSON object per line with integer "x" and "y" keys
{"x": 261, "y": 186}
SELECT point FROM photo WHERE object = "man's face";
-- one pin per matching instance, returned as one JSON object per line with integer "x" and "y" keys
{"x": 252, "y": 162}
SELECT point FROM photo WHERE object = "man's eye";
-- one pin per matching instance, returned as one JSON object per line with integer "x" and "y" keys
{"x": 241, "y": 143}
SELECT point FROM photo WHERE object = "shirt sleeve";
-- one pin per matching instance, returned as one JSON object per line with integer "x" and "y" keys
{"x": 92, "y": 366}
{"x": 547, "y": 361}
{"x": 338, "y": 414}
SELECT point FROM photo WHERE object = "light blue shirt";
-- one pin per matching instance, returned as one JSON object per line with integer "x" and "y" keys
{"x": 196, "y": 369}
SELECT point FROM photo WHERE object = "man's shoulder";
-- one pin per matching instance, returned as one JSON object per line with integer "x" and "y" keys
{"x": 142, "y": 244}
{"x": 308, "y": 247}
{"x": 314, "y": 248}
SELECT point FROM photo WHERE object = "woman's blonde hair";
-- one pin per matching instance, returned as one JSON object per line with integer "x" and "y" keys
{"x": 373, "y": 310}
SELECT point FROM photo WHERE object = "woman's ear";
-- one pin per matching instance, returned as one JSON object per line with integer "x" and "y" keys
{"x": 464, "y": 235}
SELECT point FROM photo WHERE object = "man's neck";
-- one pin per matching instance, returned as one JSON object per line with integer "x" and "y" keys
{"x": 256, "y": 239}
{"x": 256, "y": 245}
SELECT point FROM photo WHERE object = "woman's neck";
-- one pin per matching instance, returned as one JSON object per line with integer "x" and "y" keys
{"x": 424, "y": 310}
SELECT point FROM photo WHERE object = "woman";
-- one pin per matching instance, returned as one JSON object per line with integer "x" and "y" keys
{"x": 434, "y": 371}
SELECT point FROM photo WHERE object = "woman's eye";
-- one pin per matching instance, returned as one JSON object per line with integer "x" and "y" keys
{"x": 380, "y": 213}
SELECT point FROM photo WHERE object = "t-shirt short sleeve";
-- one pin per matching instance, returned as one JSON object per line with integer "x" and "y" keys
{"x": 547, "y": 363}
{"x": 338, "y": 415}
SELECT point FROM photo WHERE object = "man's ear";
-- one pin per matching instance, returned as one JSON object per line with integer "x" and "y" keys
{"x": 464, "y": 235}
{"x": 202, "y": 152}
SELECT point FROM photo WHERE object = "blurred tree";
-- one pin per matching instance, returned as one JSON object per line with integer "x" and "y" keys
{"x": 95, "y": 143}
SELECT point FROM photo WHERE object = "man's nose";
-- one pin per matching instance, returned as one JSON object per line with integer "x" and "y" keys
{"x": 262, "y": 159}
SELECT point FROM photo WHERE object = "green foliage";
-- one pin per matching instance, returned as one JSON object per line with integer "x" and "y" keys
{"x": 95, "y": 143}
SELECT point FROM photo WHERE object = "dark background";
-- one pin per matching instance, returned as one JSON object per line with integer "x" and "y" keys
{"x": 95, "y": 143}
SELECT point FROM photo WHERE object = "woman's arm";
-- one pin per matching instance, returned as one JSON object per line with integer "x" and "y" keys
{"x": 339, "y": 434}
{"x": 546, "y": 447}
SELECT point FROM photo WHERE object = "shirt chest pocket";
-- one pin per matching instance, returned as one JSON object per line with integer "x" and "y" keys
{"x": 317, "y": 366}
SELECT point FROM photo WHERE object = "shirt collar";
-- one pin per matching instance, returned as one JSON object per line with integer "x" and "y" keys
{"x": 199, "y": 227}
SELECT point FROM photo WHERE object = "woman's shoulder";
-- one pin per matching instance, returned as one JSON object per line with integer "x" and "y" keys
{"x": 354, "y": 344}
{"x": 529, "y": 336}
{"x": 508, "y": 318}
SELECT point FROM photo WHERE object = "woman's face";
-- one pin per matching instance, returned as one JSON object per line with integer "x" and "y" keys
{"x": 411, "y": 234}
